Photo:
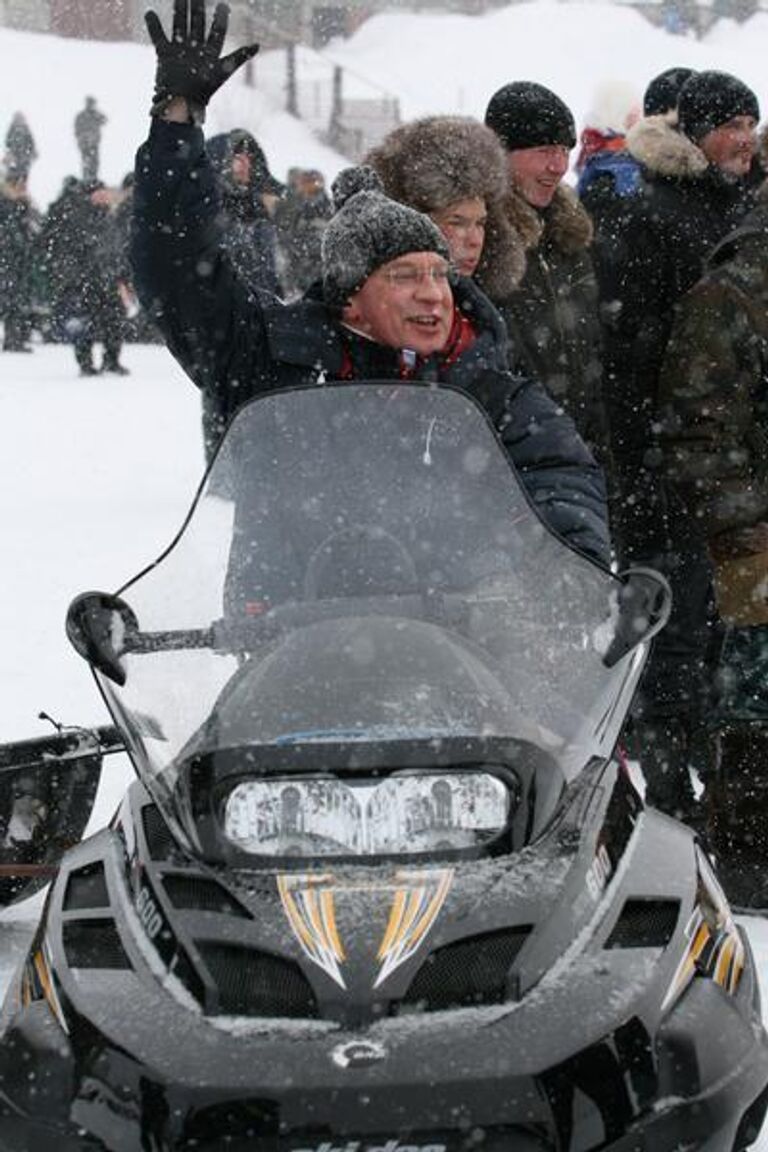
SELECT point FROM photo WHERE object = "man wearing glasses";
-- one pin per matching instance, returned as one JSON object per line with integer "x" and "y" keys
{"x": 386, "y": 305}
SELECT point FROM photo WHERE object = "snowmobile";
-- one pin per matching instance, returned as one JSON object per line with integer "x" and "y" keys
{"x": 384, "y": 881}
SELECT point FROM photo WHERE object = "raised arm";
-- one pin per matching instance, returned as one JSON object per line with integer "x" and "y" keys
{"x": 183, "y": 278}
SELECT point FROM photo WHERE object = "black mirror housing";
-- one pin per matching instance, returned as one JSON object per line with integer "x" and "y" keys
{"x": 99, "y": 626}
{"x": 645, "y": 601}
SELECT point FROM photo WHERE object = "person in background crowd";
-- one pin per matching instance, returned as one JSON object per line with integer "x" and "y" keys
{"x": 80, "y": 255}
{"x": 552, "y": 316}
{"x": 120, "y": 235}
{"x": 713, "y": 394}
{"x": 661, "y": 93}
{"x": 301, "y": 218}
{"x": 454, "y": 169}
{"x": 19, "y": 225}
{"x": 245, "y": 183}
{"x": 694, "y": 192}
{"x": 607, "y": 171}
{"x": 89, "y": 123}
{"x": 247, "y": 231}
{"x": 384, "y": 309}
{"x": 20, "y": 150}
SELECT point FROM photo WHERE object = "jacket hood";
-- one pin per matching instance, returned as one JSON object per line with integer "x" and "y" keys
{"x": 222, "y": 147}
{"x": 656, "y": 143}
{"x": 431, "y": 163}
{"x": 565, "y": 224}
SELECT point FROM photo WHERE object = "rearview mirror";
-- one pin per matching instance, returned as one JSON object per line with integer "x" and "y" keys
{"x": 99, "y": 626}
{"x": 645, "y": 601}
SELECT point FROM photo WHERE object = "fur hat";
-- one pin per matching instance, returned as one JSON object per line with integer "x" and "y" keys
{"x": 432, "y": 163}
{"x": 527, "y": 115}
{"x": 662, "y": 92}
{"x": 368, "y": 230}
{"x": 709, "y": 99}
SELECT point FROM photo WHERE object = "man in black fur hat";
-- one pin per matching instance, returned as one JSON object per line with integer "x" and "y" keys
{"x": 695, "y": 189}
{"x": 387, "y": 306}
{"x": 552, "y": 315}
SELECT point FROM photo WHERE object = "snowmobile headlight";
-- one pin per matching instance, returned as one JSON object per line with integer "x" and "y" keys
{"x": 406, "y": 814}
{"x": 714, "y": 947}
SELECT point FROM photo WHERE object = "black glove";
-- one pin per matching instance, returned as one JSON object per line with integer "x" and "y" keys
{"x": 188, "y": 65}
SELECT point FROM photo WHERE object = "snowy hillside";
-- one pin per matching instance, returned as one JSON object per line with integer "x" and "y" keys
{"x": 433, "y": 63}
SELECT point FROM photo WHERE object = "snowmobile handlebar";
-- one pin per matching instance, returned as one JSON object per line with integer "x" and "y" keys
{"x": 229, "y": 635}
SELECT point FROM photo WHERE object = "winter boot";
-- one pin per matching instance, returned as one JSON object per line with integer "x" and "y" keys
{"x": 112, "y": 361}
{"x": 84, "y": 357}
{"x": 661, "y": 745}
{"x": 737, "y": 805}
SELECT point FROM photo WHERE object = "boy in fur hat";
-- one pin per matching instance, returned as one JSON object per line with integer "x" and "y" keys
{"x": 387, "y": 306}
{"x": 552, "y": 316}
{"x": 454, "y": 169}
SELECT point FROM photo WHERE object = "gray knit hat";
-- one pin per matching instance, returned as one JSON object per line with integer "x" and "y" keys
{"x": 367, "y": 231}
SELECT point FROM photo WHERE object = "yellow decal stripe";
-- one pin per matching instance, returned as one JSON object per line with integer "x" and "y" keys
{"x": 331, "y": 932}
{"x": 393, "y": 927}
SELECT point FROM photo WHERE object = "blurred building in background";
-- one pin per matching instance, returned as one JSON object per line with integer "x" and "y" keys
{"x": 343, "y": 108}
{"x": 316, "y": 22}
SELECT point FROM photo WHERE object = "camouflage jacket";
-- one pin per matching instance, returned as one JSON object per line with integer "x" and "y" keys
{"x": 713, "y": 386}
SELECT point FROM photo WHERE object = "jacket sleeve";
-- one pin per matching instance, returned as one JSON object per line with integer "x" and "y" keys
{"x": 211, "y": 323}
{"x": 558, "y": 471}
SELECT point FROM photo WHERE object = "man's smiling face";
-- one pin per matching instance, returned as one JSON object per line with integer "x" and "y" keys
{"x": 406, "y": 303}
{"x": 536, "y": 173}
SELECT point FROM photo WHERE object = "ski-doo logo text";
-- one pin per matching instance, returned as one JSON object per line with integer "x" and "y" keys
{"x": 356, "y": 1146}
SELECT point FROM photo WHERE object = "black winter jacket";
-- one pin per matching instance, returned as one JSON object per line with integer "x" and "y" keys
{"x": 235, "y": 344}
{"x": 685, "y": 207}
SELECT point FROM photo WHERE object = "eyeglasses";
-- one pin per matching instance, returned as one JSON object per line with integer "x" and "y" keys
{"x": 410, "y": 277}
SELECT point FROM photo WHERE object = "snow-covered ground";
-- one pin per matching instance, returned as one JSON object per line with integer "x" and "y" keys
{"x": 96, "y": 476}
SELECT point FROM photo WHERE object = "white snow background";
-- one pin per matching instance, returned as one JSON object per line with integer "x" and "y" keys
{"x": 96, "y": 475}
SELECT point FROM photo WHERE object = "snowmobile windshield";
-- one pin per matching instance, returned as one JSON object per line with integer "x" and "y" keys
{"x": 363, "y": 572}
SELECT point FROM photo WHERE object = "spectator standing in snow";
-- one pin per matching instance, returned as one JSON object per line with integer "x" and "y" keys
{"x": 713, "y": 394}
{"x": 660, "y": 96}
{"x": 454, "y": 169}
{"x": 552, "y": 316}
{"x": 301, "y": 218}
{"x": 245, "y": 186}
{"x": 80, "y": 251}
{"x": 19, "y": 225}
{"x": 20, "y": 150}
{"x": 608, "y": 172}
{"x": 89, "y": 122}
{"x": 135, "y": 325}
{"x": 247, "y": 230}
{"x": 385, "y": 308}
{"x": 694, "y": 192}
